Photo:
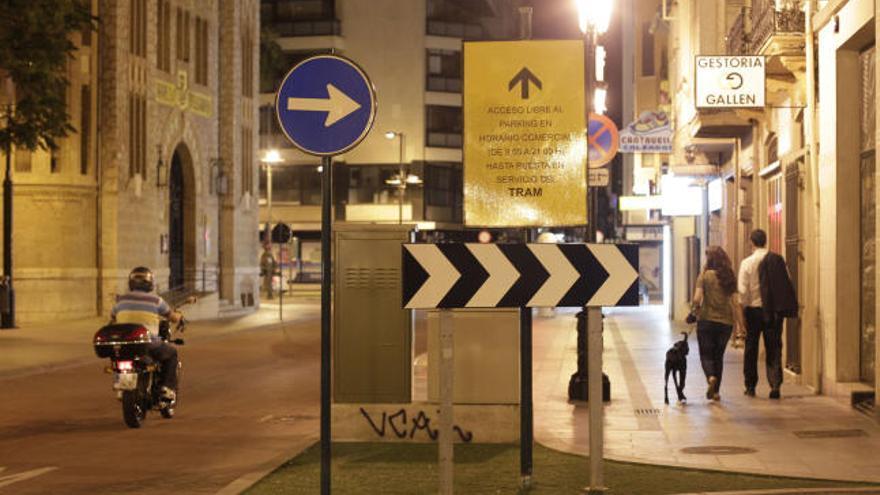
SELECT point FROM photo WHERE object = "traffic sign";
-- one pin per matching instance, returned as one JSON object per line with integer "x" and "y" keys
{"x": 471, "y": 275}
{"x": 730, "y": 81}
{"x": 599, "y": 177}
{"x": 325, "y": 105}
{"x": 603, "y": 140}
{"x": 524, "y": 124}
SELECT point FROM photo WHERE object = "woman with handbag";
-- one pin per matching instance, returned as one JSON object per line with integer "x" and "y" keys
{"x": 717, "y": 310}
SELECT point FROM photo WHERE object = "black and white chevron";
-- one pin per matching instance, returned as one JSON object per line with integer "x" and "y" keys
{"x": 457, "y": 275}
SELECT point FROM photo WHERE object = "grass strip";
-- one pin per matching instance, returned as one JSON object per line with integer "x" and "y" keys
{"x": 408, "y": 468}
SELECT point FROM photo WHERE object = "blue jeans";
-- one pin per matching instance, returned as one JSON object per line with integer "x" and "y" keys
{"x": 712, "y": 337}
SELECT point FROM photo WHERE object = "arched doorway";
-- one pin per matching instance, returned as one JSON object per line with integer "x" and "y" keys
{"x": 181, "y": 213}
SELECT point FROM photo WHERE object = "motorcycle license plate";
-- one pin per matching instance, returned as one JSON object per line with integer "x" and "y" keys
{"x": 125, "y": 381}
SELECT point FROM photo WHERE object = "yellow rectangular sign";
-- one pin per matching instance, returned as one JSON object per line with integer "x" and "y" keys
{"x": 524, "y": 134}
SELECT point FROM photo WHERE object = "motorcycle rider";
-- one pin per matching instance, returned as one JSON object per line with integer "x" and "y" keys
{"x": 140, "y": 306}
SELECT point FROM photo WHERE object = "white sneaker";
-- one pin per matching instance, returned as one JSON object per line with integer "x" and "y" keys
{"x": 168, "y": 394}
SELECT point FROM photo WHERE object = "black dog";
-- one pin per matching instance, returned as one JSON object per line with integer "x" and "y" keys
{"x": 676, "y": 364}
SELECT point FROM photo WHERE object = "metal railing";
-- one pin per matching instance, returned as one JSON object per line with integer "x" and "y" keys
{"x": 455, "y": 29}
{"x": 321, "y": 27}
{"x": 769, "y": 22}
{"x": 737, "y": 38}
{"x": 444, "y": 84}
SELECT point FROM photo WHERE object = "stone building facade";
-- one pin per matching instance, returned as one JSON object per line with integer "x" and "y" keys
{"x": 802, "y": 167}
{"x": 161, "y": 171}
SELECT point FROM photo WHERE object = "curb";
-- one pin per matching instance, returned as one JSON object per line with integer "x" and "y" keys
{"x": 246, "y": 481}
{"x": 797, "y": 491}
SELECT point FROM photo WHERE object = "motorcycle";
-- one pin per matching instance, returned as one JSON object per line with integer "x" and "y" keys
{"x": 135, "y": 373}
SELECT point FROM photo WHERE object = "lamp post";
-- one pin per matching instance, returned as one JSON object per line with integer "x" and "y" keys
{"x": 401, "y": 180}
{"x": 272, "y": 157}
{"x": 7, "y": 316}
{"x": 593, "y": 18}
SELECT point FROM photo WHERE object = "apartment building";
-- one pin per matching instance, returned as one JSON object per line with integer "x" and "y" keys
{"x": 411, "y": 50}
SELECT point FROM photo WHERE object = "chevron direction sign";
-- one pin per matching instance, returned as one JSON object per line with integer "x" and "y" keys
{"x": 459, "y": 275}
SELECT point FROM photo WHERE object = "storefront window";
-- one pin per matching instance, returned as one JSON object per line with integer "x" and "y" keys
{"x": 775, "y": 233}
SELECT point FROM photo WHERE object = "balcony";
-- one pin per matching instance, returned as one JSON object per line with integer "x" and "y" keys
{"x": 463, "y": 30}
{"x": 778, "y": 32}
{"x": 318, "y": 27}
{"x": 737, "y": 38}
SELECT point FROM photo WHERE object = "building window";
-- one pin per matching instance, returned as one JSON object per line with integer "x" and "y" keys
{"x": 201, "y": 51}
{"x": 647, "y": 50}
{"x": 163, "y": 38}
{"x": 138, "y": 35}
{"x": 444, "y": 126}
{"x": 54, "y": 162}
{"x": 775, "y": 234}
{"x": 22, "y": 160}
{"x": 85, "y": 128}
{"x": 247, "y": 161}
{"x": 443, "y": 189}
{"x": 247, "y": 61}
{"x": 137, "y": 135}
{"x": 444, "y": 71}
{"x": 183, "y": 35}
{"x": 291, "y": 10}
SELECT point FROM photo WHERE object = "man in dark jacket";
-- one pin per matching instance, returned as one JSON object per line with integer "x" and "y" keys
{"x": 778, "y": 301}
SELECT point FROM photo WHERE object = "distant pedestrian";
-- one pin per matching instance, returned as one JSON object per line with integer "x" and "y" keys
{"x": 768, "y": 296}
{"x": 268, "y": 266}
{"x": 717, "y": 310}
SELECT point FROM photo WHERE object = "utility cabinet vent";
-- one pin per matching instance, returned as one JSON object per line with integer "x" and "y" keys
{"x": 372, "y": 278}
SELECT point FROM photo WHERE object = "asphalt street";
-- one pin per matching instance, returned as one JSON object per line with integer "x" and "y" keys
{"x": 247, "y": 400}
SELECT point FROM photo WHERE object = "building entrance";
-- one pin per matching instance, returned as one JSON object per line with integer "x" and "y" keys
{"x": 181, "y": 212}
{"x": 867, "y": 327}
{"x": 175, "y": 226}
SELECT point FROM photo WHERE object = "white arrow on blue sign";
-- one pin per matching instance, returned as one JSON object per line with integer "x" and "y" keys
{"x": 325, "y": 105}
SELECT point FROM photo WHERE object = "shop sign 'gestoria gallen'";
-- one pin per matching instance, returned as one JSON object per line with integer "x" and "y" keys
{"x": 524, "y": 134}
{"x": 729, "y": 81}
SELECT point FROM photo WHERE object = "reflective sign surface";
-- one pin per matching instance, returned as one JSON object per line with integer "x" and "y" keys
{"x": 524, "y": 143}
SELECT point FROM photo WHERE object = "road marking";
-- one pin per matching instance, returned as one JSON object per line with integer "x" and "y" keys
{"x": 26, "y": 475}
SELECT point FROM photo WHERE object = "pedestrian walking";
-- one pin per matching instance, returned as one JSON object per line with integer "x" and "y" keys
{"x": 268, "y": 267}
{"x": 717, "y": 310}
{"x": 750, "y": 295}
{"x": 768, "y": 296}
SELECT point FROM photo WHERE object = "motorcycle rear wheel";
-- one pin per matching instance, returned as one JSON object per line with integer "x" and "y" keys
{"x": 132, "y": 408}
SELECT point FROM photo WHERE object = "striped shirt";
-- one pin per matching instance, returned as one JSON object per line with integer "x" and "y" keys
{"x": 140, "y": 307}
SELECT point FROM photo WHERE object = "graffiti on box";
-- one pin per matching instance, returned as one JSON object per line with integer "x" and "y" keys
{"x": 402, "y": 425}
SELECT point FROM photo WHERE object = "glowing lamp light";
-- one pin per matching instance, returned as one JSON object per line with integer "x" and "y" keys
{"x": 594, "y": 15}
{"x": 272, "y": 156}
{"x": 599, "y": 100}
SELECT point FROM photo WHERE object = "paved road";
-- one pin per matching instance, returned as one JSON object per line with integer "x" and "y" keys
{"x": 248, "y": 399}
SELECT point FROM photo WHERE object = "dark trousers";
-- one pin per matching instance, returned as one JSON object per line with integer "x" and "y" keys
{"x": 166, "y": 354}
{"x": 712, "y": 338}
{"x": 772, "y": 330}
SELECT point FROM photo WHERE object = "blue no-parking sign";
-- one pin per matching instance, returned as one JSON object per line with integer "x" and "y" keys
{"x": 325, "y": 105}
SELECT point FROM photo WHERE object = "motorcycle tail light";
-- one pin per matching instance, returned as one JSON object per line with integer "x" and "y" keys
{"x": 124, "y": 365}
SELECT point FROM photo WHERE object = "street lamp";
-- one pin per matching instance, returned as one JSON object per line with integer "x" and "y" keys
{"x": 402, "y": 178}
{"x": 272, "y": 157}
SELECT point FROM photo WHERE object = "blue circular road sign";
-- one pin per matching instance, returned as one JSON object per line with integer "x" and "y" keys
{"x": 325, "y": 105}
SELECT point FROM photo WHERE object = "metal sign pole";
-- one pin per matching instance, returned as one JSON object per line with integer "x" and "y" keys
{"x": 594, "y": 314}
{"x": 326, "y": 199}
{"x": 447, "y": 372}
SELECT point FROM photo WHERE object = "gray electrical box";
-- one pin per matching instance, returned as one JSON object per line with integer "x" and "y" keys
{"x": 372, "y": 337}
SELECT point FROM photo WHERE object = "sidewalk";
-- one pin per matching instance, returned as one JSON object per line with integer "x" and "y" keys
{"x": 39, "y": 347}
{"x": 802, "y": 435}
